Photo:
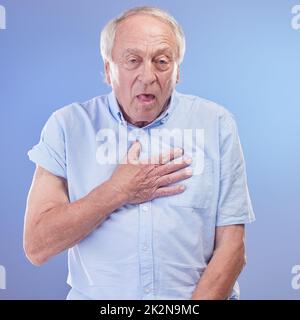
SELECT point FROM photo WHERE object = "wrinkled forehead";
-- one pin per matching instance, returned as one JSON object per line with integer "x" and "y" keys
{"x": 144, "y": 30}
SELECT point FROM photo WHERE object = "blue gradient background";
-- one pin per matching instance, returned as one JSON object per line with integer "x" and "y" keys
{"x": 242, "y": 54}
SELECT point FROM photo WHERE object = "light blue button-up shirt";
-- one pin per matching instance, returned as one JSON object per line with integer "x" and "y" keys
{"x": 157, "y": 249}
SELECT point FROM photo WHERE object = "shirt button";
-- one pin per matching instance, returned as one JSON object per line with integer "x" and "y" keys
{"x": 145, "y": 208}
{"x": 145, "y": 247}
{"x": 139, "y": 134}
{"x": 147, "y": 290}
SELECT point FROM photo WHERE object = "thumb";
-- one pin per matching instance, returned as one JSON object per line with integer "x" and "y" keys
{"x": 134, "y": 152}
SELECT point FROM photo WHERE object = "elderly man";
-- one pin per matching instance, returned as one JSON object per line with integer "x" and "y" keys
{"x": 161, "y": 218}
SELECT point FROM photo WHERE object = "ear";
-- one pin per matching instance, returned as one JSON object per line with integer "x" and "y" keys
{"x": 178, "y": 74}
{"x": 107, "y": 72}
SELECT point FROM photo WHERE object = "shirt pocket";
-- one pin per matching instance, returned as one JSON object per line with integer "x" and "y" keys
{"x": 199, "y": 189}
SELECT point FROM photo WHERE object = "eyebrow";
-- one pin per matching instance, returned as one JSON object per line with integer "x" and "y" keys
{"x": 165, "y": 50}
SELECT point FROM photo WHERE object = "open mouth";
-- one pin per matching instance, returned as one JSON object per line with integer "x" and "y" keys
{"x": 146, "y": 98}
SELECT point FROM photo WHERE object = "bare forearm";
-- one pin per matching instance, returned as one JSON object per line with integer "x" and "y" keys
{"x": 220, "y": 275}
{"x": 63, "y": 226}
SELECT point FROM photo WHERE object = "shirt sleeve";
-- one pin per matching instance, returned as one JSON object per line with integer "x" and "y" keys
{"x": 234, "y": 205}
{"x": 49, "y": 153}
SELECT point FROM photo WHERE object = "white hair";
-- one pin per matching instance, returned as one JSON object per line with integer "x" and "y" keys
{"x": 108, "y": 33}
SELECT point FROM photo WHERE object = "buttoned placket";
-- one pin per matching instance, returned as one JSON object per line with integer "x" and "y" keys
{"x": 146, "y": 261}
{"x": 146, "y": 250}
{"x": 145, "y": 241}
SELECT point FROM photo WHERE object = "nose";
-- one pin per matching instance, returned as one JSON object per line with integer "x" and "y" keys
{"x": 147, "y": 74}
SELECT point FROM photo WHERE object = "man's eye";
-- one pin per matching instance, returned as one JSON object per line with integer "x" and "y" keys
{"x": 162, "y": 61}
{"x": 162, "y": 64}
{"x": 133, "y": 61}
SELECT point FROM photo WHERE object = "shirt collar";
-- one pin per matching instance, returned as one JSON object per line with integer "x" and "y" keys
{"x": 118, "y": 115}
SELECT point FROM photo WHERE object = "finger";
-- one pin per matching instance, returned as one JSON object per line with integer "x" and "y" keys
{"x": 175, "y": 177}
{"x": 172, "y": 167}
{"x": 134, "y": 152}
{"x": 169, "y": 191}
{"x": 167, "y": 156}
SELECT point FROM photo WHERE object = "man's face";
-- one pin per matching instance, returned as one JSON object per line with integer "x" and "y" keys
{"x": 144, "y": 69}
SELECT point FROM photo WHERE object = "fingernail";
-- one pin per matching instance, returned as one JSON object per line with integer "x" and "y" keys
{"x": 189, "y": 171}
{"x": 188, "y": 160}
{"x": 179, "y": 150}
{"x": 182, "y": 187}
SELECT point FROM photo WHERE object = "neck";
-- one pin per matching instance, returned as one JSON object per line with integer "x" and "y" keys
{"x": 141, "y": 124}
